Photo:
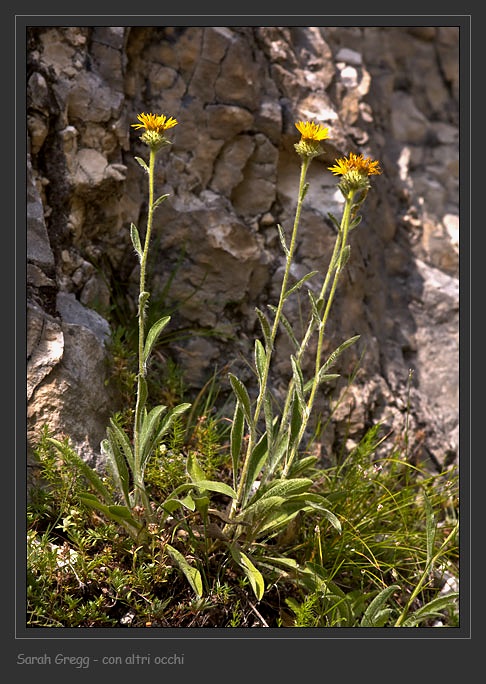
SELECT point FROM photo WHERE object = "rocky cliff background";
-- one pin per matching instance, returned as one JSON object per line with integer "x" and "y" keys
{"x": 391, "y": 93}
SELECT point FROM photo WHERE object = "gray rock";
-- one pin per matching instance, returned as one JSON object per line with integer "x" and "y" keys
{"x": 73, "y": 312}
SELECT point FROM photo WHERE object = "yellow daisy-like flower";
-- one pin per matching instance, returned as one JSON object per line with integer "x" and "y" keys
{"x": 155, "y": 122}
{"x": 355, "y": 171}
{"x": 357, "y": 163}
{"x": 311, "y": 135}
{"x": 311, "y": 131}
{"x": 155, "y": 126}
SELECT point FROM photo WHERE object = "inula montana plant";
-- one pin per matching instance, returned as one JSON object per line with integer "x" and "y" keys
{"x": 126, "y": 501}
{"x": 207, "y": 526}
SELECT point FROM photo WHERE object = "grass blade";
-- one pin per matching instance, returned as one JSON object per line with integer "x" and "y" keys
{"x": 430, "y": 529}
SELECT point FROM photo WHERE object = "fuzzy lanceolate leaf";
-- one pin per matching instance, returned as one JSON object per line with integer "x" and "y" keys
{"x": 299, "y": 385}
{"x": 376, "y": 615}
{"x": 118, "y": 514}
{"x": 277, "y": 519}
{"x": 173, "y": 502}
{"x": 322, "y": 377}
{"x": 214, "y": 486}
{"x": 296, "y": 419}
{"x": 236, "y": 439}
{"x": 200, "y": 481}
{"x": 135, "y": 237}
{"x": 260, "y": 360}
{"x": 141, "y": 403}
{"x": 345, "y": 254}
{"x": 269, "y": 419}
{"x": 256, "y": 462}
{"x": 283, "y": 562}
{"x": 272, "y": 497}
{"x": 287, "y": 326}
{"x": 268, "y": 520}
{"x": 143, "y": 164}
{"x": 267, "y": 333}
{"x": 316, "y": 307}
{"x": 334, "y": 220}
{"x": 201, "y": 504}
{"x": 242, "y": 396}
{"x": 192, "y": 574}
{"x": 143, "y": 298}
{"x": 153, "y": 335}
{"x": 434, "y": 609}
{"x": 300, "y": 466}
{"x": 194, "y": 468}
{"x": 277, "y": 450}
{"x": 70, "y": 456}
{"x": 257, "y": 512}
{"x": 149, "y": 433}
{"x": 283, "y": 241}
{"x": 246, "y": 564}
{"x": 117, "y": 465}
{"x": 161, "y": 425}
{"x": 283, "y": 488}
{"x": 119, "y": 436}
{"x": 299, "y": 283}
{"x": 332, "y": 358}
{"x": 274, "y": 505}
{"x": 159, "y": 201}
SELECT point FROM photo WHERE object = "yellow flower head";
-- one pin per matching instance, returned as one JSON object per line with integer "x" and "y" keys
{"x": 155, "y": 122}
{"x": 355, "y": 171}
{"x": 310, "y": 136}
{"x": 155, "y": 125}
{"x": 312, "y": 131}
{"x": 357, "y": 163}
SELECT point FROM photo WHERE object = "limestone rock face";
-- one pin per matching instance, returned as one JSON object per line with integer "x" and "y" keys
{"x": 232, "y": 175}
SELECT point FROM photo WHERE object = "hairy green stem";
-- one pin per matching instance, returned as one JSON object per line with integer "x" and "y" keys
{"x": 309, "y": 331}
{"x": 283, "y": 290}
{"x": 336, "y": 267}
{"x": 140, "y": 495}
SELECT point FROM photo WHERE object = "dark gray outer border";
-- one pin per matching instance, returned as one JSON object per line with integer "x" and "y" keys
{"x": 206, "y": 652}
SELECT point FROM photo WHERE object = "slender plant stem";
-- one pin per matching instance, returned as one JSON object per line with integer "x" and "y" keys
{"x": 308, "y": 333}
{"x": 283, "y": 290}
{"x": 344, "y": 230}
{"x": 140, "y": 496}
{"x": 143, "y": 264}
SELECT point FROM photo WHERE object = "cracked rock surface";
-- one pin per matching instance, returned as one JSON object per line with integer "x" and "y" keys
{"x": 232, "y": 174}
